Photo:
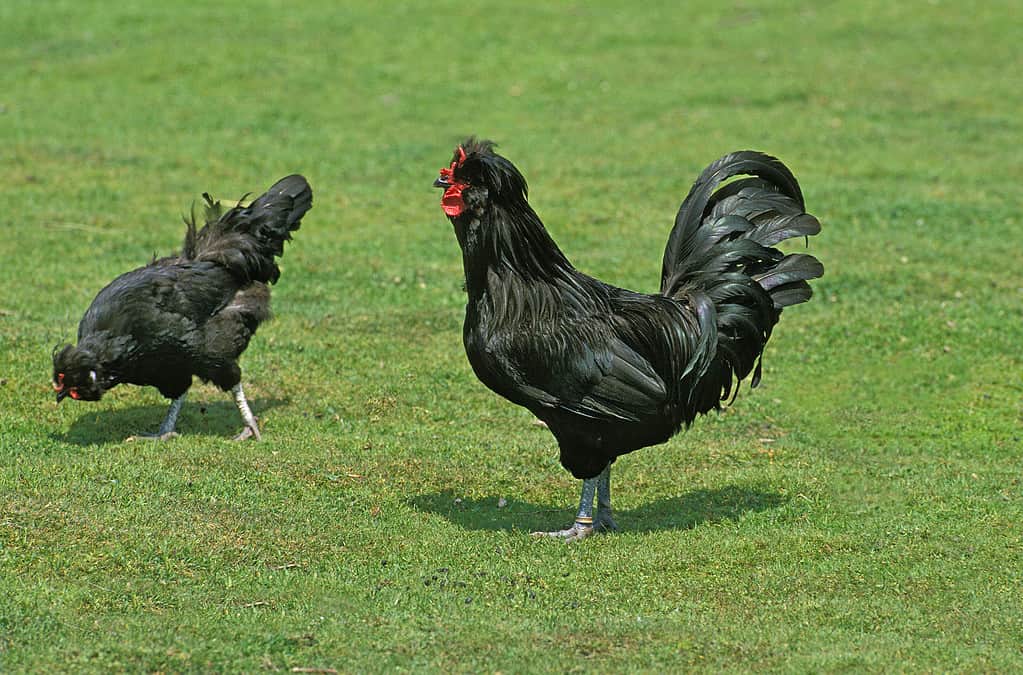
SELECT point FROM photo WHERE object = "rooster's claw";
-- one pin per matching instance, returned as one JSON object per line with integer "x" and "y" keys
{"x": 575, "y": 533}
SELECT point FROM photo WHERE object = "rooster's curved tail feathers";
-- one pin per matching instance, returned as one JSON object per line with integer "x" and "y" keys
{"x": 247, "y": 239}
{"x": 720, "y": 257}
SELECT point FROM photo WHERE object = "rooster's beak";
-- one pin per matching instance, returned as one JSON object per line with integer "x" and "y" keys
{"x": 441, "y": 182}
{"x": 61, "y": 395}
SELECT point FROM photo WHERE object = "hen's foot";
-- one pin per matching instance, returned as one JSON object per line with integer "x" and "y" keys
{"x": 577, "y": 532}
{"x": 166, "y": 430}
{"x": 250, "y": 432}
{"x": 166, "y": 436}
{"x": 251, "y": 429}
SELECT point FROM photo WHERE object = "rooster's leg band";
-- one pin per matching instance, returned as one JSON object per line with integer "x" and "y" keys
{"x": 585, "y": 515}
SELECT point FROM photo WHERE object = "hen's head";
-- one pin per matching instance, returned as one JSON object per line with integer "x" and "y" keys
{"x": 76, "y": 374}
{"x": 478, "y": 176}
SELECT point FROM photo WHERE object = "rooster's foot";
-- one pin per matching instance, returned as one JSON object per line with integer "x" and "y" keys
{"x": 604, "y": 522}
{"x": 577, "y": 532}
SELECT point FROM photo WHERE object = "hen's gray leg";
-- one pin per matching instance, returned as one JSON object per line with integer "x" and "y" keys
{"x": 251, "y": 429}
{"x": 166, "y": 429}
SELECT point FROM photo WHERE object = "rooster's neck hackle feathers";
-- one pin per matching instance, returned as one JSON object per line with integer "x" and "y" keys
{"x": 499, "y": 231}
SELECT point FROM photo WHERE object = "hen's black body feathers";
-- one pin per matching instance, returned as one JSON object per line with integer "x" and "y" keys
{"x": 190, "y": 314}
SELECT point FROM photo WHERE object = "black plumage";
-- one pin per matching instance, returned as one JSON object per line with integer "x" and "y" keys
{"x": 190, "y": 314}
{"x": 607, "y": 369}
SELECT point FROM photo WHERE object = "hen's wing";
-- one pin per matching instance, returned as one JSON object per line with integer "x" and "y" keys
{"x": 161, "y": 302}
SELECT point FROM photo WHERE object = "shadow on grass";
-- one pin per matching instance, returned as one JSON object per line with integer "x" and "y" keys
{"x": 198, "y": 418}
{"x": 673, "y": 513}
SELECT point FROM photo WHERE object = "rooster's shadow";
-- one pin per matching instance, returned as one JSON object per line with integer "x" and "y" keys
{"x": 198, "y": 418}
{"x": 683, "y": 512}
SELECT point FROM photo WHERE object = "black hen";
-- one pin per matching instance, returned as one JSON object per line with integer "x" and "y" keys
{"x": 190, "y": 314}
{"x": 607, "y": 369}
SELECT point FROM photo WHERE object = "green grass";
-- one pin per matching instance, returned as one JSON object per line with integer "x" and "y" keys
{"x": 861, "y": 511}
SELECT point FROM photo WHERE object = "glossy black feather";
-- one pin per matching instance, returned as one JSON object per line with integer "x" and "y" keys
{"x": 246, "y": 240}
{"x": 189, "y": 314}
{"x": 611, "y": 370}
{"x": 794, "y": 267}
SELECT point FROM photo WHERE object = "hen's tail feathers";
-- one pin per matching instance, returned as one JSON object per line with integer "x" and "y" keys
{"x": 246, "y": 239}
{"x": 720, "y": 257}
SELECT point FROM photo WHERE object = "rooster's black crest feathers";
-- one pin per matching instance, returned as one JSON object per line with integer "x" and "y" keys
{"x": 483, "y": 167}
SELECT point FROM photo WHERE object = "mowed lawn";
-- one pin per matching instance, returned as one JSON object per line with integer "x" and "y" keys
{"x": 860, "y": 511}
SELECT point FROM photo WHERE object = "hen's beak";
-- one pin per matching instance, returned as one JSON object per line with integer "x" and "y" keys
{"x": 61, "y": 394}
{"x": 441, "y": 182}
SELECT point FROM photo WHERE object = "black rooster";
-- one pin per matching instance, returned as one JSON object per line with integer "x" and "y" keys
{"x": 607, "y": 369}
{"x": 190, "y": 314}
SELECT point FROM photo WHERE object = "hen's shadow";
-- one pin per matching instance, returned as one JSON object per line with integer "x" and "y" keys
{"x": 672, "y": 513}
{"x": 198, "y": 418}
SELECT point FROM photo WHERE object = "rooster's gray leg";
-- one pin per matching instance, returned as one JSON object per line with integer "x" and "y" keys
{"x": 251, "y": 429}
{"x": 583, "y": 525}
{"x": 166, "y": 429}
{"x": 604, "y": 522}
